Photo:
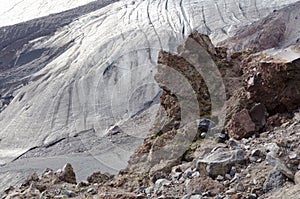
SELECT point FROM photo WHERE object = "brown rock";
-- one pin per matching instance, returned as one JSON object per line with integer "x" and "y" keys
{"x": 99, "y": 178}
{"x": 258, "y": 115}
{"x": 241, "y": 125}
{"x": 67, "y": 174}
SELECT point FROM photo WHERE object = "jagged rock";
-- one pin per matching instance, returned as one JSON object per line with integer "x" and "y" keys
{"x": 99, "y": 178}
{"x": 67, "y": 174}
{"x": 241, "y": 125}
{"x": 279, "y": 166}
{"x": 274, "y": 180}
{"x": 219, "y": 163}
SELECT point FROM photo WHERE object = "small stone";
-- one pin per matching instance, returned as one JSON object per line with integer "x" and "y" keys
{"x": 232, "y": 172}
{"x": 206, "y": 194}
{"x": 231, "y": 191}
{"x": 220, "y": 178}
{"x": 228, "y": 176}
{"x": 254, "y": 181}
{"x": 83, "y": 184}
{"x": 273, "y": 148}
{"x": 176, "y": 176}
{"x": 188, "y": 173}
{"x": 90, "y": 191}
{"x": 161, "y": 182}
{"x": 178, "y": 169}
{"x": 203, "y": 135}
{"x": 196, "y": 174}
{"x": 68, "y": 193}
{"x": 255, "y": 152}
{"x": 253, "y": 159}
{"x": 226, "y": 183}
{"x": 248, "y": 175}
{"x": 240, "y": 187}
{"x": 148, "y": 191}
{"x": 259, "y": 160}
{"x": 292, "y": 156}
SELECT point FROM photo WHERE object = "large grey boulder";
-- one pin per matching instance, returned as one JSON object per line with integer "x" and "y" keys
{"x": 219, "y": 163}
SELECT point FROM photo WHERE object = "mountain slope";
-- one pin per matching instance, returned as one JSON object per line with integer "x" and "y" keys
{"x": 93, "y": 73}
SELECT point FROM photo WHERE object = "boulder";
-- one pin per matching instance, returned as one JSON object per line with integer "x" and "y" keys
{"x": 241, "y": 125}
{"x": 67, "y": 174}
{"x": 274, "y": 181}
{"x": 258, "y": 115}
{"x": 279, "y": 166}
{"x": 219, "y": 163}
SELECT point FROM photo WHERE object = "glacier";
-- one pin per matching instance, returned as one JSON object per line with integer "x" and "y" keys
{"x": 92, "y": 73}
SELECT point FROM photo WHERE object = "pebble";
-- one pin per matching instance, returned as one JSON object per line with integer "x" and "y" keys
{"x": 273, "y": 148}
{"x": 226, "y": 183}
{"x": 68, "y": 193}
{"x": 196, "y": 174}
{"x": 203, "y": 135}
{"x": 228, "y": 176}
{"x": 292, "y": 156}
{"x": 90, "y": 190}
{"x": 188, "y": 173}
{"x": 255, "y": 152}
{"x": 232, "y": 171}
{"x": 220, "y": 178}
{"x": 230, "y": 191}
